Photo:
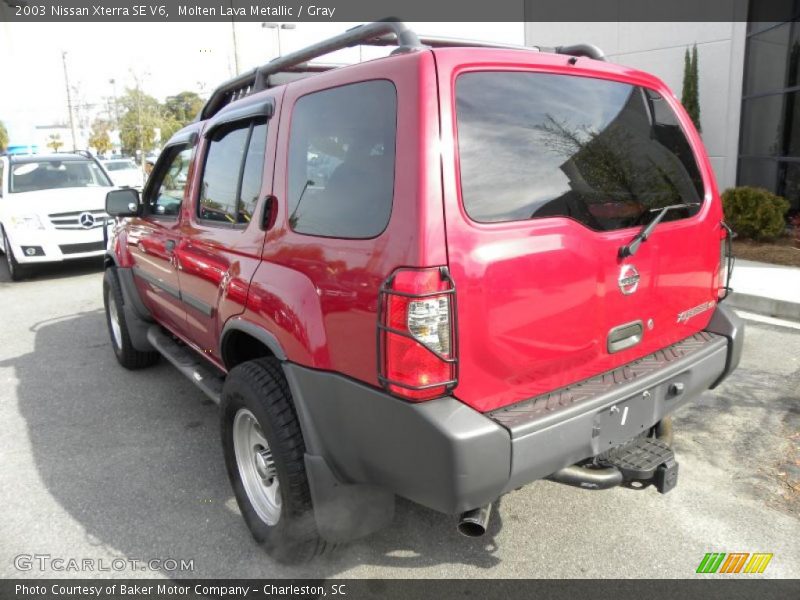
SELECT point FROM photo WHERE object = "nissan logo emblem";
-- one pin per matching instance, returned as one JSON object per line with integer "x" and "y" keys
{"x": 628, "y": 279}
{"x": 86, "y": 220}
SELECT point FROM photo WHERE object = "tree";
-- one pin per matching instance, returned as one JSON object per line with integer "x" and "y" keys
{"x": 99, "y": 139}
{"x": 3, "y": 137}
{"x": 54, "y": 141}
{"x": 138, "y": 123}
{"x": 690, "y": 95}
{"x": 179, "y": 111}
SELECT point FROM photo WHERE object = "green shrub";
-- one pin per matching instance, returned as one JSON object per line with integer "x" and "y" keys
{"x": 755, "y": 213}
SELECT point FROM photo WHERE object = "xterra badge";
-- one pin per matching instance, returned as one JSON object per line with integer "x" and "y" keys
{"x": 700, "y": 308}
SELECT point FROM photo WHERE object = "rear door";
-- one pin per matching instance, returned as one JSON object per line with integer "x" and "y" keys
{"x": 549, "y": 169}
{"x": 223, "y": 227}
{"x": 154, "y": 237}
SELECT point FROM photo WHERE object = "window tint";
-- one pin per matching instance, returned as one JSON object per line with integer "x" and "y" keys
{"x": 341, "y": 160}
{"x": 231, "y": 180}
{"x": 538, "y": 145}
{"x": 219, "y": 187}
{"x": 171, "y": 185}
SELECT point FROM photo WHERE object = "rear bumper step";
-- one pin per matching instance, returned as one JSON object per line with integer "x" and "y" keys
{"x": 637, "y": 464}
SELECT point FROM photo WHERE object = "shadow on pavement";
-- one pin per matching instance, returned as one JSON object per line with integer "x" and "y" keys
{"x": 47, "y": 271}
{"x": 135, "y": 459}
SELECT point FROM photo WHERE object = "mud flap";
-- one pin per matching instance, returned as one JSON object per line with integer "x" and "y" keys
{"x": 345, "y": 512}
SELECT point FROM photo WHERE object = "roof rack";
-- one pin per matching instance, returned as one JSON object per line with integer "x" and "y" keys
{"x": 388, "y": 32}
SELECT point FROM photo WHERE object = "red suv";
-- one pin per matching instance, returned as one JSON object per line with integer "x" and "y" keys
{"x": 442, "y": 275}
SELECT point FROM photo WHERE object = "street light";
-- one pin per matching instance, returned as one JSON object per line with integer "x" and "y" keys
{"x": 278, "y": 28}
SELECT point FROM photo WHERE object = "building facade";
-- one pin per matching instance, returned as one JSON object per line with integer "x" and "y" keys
{"x": 749, "y": 84}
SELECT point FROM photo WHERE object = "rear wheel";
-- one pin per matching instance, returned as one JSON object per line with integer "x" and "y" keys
{"x": 15, "y": 270}
{"x": 128, "y": 356}
{"x": 264, "y": 455}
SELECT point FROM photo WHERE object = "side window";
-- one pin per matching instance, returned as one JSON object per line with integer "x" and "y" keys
{"x": 341, "y": 160}
{"x": 231, "y": 182}
{"x": 170, "y": 183}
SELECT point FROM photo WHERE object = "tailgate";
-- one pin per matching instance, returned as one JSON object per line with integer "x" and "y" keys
{"x": 553, "y": 172}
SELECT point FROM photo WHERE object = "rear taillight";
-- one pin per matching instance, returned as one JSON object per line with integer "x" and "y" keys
{"x": 416, "y": 334}
{"x": 725, "y": 261}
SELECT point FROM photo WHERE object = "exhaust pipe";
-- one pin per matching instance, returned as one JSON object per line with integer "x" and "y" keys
{"x": 473, "y": 523}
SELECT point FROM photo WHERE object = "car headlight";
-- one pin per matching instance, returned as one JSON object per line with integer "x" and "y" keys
{"x": 26, "y": 222}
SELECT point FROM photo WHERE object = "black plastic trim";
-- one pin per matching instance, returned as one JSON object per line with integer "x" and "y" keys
{"x": 727, "y": 323}
{"x": 137, "y": 318}
{"x": 253, "y": 330}
{"x": 183, "y": 138}
{"x": 197, "y": 304}
{"x": 152, "y": 279}
{"x": 263, "y": 108}
{"x": 187, "y": 299}
{"x": 440, "y": 453}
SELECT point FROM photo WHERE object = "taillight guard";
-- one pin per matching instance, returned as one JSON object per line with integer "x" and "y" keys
{"x": 384, "y": 330}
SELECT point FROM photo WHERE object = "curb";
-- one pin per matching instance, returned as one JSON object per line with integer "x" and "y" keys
{"x": 771, "y": 307}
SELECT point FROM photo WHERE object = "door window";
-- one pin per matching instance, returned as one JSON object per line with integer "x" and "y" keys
{"x": 231, "y": 182}
{"x": 170, "y": 183}
{"x": 341, "y": 160}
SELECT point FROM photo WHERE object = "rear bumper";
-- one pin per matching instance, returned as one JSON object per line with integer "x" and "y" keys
{"x": 446, "y": 456}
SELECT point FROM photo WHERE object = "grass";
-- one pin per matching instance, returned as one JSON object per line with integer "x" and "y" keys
{"x": 780, "y": 252}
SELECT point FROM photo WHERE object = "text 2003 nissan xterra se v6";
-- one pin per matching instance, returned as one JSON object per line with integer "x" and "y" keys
{"x": 441, "y": 275}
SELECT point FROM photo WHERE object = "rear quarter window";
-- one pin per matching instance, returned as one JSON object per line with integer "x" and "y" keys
{"x": 341, "y": 160}
{"x": 605, "y": 153}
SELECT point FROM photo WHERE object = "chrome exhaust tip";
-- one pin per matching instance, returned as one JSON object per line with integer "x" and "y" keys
{"x": 473, "y": 523}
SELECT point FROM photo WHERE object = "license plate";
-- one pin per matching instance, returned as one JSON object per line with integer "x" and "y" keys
{"x": 625, "y": 420}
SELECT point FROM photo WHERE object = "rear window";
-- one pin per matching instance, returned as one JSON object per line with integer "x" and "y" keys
{"x": 120, "y": 165}
{"x": 341, "y": 160}
{"x": 604, "y": 153}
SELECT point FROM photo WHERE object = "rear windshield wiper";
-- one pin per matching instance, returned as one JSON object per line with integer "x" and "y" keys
{"x": 631, "y": 247}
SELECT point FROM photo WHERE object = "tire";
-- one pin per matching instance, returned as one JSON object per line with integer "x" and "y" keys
{"x": 16, "y": 271}
{"x": 256, "y": 399}
{"x": 128, "y": 356}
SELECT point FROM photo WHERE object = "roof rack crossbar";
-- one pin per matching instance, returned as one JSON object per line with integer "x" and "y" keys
{"x": 256, "y": 79}
{"x": 587, "y": 50}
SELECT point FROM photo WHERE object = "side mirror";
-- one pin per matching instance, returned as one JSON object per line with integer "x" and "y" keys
{"x": 122, "y": 203}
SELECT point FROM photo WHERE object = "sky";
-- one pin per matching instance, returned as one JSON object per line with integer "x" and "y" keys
{"x": 166, "y": 57}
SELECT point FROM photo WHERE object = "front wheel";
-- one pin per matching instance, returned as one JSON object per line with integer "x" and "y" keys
{"x": 264, "y": 456}
{"x": 16, "y": 271}
{"x": 128, "y": 356}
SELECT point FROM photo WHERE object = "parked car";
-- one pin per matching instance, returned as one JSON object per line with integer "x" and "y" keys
{"x": 440, "y": 275}
{"x": 124, "y": 172}
{"x": 51, "y": 209}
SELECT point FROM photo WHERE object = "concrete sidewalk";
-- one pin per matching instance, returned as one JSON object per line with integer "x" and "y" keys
{"x": 772, "y": 290}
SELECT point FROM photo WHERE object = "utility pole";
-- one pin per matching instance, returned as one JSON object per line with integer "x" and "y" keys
{"x": 235, "y": 45}
{"x": 113, "y": 83}
{"x": 277, "y": 29}
{"x": 69, "y": 102}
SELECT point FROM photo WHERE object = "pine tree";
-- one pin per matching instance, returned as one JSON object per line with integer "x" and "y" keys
{"x": 696, "y": 90}
{"x": 690, "y": 94}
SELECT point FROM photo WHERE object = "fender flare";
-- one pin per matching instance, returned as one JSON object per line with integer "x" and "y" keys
{"x": 253, "y": 330}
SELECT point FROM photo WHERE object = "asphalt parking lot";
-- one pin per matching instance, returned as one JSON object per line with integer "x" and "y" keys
{"x": 100, "y": 463}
